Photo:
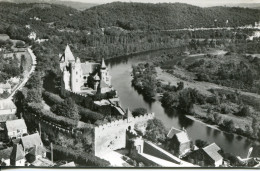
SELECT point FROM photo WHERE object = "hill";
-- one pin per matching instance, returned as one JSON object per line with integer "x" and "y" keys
{"x": 166, "y": 15}
{"x": 76, "y": 5}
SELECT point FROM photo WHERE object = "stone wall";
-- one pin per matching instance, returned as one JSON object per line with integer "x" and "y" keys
{"x": 112, "y": 136}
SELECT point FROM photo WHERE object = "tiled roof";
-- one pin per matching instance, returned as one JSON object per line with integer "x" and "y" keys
{"x": 172, "y": 132}
{"x": 30, "y": 141}
{"x": 14, "y": 125}
{"x": 96, "y": 77}
{"x": 6, "y": 153}
{"x": 212, "y": 151}
{"x": 17, "y": 153}
{"x": 182, "y": 137}
{"x": 7, "y": 104}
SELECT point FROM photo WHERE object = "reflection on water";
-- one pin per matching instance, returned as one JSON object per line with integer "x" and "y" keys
{"x": 120, "y": 69}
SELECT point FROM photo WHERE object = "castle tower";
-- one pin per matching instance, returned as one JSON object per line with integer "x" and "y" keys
{"x": 76, "y": 75}
{"x": 66, "y": 78}
{"x": 104, "y": 73}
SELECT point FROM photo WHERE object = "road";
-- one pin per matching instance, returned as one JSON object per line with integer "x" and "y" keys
{"x": 26, "y": 78}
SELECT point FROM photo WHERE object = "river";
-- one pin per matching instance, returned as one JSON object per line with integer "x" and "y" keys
{"x": 120, "y": 69}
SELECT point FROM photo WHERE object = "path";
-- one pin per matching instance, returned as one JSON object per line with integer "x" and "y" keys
{"x": 28, "y": 75}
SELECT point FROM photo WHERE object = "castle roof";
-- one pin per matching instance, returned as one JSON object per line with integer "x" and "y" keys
{"x": 67, "y": 56}
{"x": 7, "y": 104}
{"x": 30, "y": 141}
{"x": 212, "y": 151}
{"x": 14, "y": 125}
{"x": 103, "y": 65}
{"x": 88, "y": 67}
{"x": 17, "y": 153}
{"x": 128, "y": 113}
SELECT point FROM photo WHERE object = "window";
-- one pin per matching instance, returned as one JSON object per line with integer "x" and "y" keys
{"x": 84, "y": 77}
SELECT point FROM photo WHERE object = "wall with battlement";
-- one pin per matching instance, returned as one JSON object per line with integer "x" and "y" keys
{"x": 112, "y": 136}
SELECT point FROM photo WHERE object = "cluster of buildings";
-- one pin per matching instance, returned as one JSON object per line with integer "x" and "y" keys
{"x": 26, "y": 150}
{"x": 84, "y": 78}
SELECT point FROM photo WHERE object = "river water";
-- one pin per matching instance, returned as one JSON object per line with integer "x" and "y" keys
{"x": 120, "y": 70}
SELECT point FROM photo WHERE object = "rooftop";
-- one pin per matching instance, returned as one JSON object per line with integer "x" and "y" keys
{"x": 182, "y": 137}
{"x": 6, "y": 153}
{"x": 7, "y": 104}
{"x": 30, "y": 141}
{"x": 212, "y": 151}
{"x": 14, "y": 125}
{"x": 17, "y": 153}
{"x": 172, "y": 132}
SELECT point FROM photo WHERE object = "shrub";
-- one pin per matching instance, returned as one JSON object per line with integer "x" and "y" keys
{"x": 139, "y": 111}
{"x": 62, "y": 153}
{"x": 244, "y": 111}
{"x": 49, "y": 116}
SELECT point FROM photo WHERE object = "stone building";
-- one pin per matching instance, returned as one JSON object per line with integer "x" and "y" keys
{"x": 208, "y": 156}
{"x": 85, "y": 78}
{"x": 16, "y": 128}
{"x": 179, "y": 141}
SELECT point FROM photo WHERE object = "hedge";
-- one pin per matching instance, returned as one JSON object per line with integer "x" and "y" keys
{"x": 79, "y": 157}
{"x": 86, "y": 114}
{"x": 49, "y": 116}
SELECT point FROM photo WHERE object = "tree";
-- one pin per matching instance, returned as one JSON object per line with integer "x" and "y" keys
{"x": 139, "y": 111}
{"x": 201, "y": 143}
{"x": 155, "y": 130}
{"x": 19, "y": 44}
{"x": 229, "y": 125}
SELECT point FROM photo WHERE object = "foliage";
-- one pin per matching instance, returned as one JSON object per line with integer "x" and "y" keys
{"x": 86, "y": 114}
{"x": 183, "y": 99}
{"x": 145, "y": 79}
{"x": 36, "y": 109}
{"x": 83, "y": 159}
{"x": 201, "y": 143}
{"x": 155, "y": 130}
{"x": 68, "y": 108}
{"x": 139, "y": 111}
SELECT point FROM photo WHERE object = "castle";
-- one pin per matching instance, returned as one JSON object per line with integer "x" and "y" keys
{"x": 84, "y": 78}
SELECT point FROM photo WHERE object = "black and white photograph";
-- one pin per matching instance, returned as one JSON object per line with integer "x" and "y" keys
{"x": 130, "y": 84}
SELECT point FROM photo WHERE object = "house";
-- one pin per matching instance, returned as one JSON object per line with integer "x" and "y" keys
{"x": 5, "y": 156}
{"x": 17, "y": 157}
{"x": 16, "y": 128}
{"x": 5, "y": 88}
{"x": 208, "y": 156}
{"x": 7, "y": 110}
{"x": 179, "y": 142}
{"x": 30, "y": 141}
